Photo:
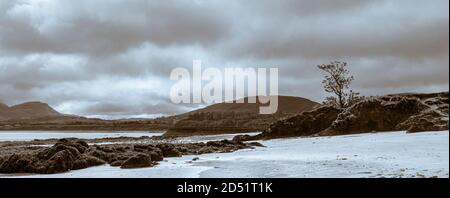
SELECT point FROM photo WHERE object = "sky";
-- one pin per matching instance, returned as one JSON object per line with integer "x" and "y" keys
{"x": 113, "y": 58}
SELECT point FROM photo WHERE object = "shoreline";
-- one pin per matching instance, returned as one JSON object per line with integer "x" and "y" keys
{"x": 55, "y": 155}
{"x": 388, "y": 154}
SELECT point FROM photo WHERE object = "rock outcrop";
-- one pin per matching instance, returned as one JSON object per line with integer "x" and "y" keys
{"x": 74, "y": 154}
{"x": 401, "y": 112}
{"x": 138, "y": 161}
{"x": 409, "y": 112}
{"x": 63, "y": 156}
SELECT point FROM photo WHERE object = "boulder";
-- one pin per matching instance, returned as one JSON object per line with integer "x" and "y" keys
{"x": 85, "y": 161}
{"x": 257, "y": 144}
{"x": 169, "y": 150}
{"x": 243, "y": 138}
{"x": 207, "y": 149}
{"x": 107, "y": 157}
{"x": 16, "y": 164}
{"x": 155, "y": 156}
{"x": 138, "y": 161}
{"x": 60, "y": 162}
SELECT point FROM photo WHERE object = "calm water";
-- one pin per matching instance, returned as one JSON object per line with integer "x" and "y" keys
{"x": 42, "y": 135}
{"x": 32, "y": 135}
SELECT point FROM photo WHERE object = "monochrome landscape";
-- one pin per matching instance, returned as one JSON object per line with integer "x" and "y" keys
{"x": 140, "y": 89}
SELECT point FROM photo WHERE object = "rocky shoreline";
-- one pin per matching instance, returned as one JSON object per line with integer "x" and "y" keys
{"x": 75, "y": 154}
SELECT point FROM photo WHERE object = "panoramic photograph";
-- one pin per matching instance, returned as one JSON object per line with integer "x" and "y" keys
{"x": 224, "y": 89}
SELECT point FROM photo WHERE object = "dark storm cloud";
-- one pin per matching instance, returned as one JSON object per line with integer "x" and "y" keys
{"x": 418, "y": 41}
{"x": 106, "y": 26}
{"x": 111, "y": 58}
{"x": 350, "y": 29}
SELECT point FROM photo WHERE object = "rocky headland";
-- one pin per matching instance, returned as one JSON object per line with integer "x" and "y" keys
{"x": 396, "y": 112}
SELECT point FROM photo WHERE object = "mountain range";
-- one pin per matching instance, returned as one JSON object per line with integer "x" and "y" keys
{"x": 296, "y": 116}
{"x": 221, "y": 117}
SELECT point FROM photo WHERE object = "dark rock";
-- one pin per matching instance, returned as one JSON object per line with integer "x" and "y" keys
{"x": 60, "y": 162}
{"x": 15, "y": 164}
{"x": 138, "y": 161}
{"x": 120, "y": 149}
{"x": 431, "y": 120}
{"x": 376, "y": 114}
{"x": 63, "y": 156}
{"x": 256, "y": 144}
{"x": 102, "y": 155}
{"x": 243, "y": 138}
{"x": 106, "y": 149}
{"x": 304, "y": 124}
{"x": 169, "y": 150}
{"x": 183, "y": 149}
{"x": 82, "y": 144}
{"x": 143, "y": 147}
{"x": 206, "y": 149}
{"x": 50, "y": 152}
{"x": 117, "y": 163}
{"x": 85, "y": 161}
{"x": 155, "y": 156}
{"x": 72, "y": 154}
{"x": 411, "y": 112}
{"x": 414, "y": 112}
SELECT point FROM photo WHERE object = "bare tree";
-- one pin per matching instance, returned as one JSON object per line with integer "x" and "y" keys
{"x": 337, "y": 81}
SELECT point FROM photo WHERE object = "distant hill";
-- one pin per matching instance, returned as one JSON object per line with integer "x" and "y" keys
{"x": 3, "y": 110}
{"x": 286, "y": 105}
{"x": 27, "y": 110}
{"x": 40, "y": 116}
{"x": 236, "y": 117}
{"x": 217, "y": 118}
{"x": 34, "y": 109}
{"x": 3, "y": 106}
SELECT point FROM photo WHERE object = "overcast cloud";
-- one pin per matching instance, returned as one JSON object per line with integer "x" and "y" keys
{"x": 112, "y": 58}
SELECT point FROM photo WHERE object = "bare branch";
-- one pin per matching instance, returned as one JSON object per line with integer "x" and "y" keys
{"x": 337, "y": 82}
